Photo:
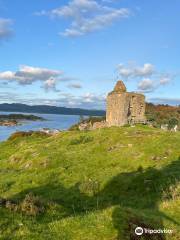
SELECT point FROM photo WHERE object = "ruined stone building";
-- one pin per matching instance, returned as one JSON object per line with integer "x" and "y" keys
{"x": 124, "y": 107}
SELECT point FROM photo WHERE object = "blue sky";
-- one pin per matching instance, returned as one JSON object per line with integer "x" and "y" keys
{"x": 71, "y": 52}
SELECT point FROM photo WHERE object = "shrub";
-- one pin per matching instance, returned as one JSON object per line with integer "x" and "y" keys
{"x": 173, "y": 122}
{"x": 90, "y": 187}
{"x": 173, "y": 193}
{"x": 74, "y": 127}
{"x": 140, "y": 169}
{"x": 127, "y": 125}
{"x": 81, "y": 140}
{"x": 17, "y": 135}
{"x": 32, "y": 205}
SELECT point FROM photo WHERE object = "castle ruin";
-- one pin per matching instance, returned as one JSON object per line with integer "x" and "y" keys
{"x": 124, "y": 107}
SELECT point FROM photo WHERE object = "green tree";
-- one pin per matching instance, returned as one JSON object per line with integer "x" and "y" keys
{"x": 173, "y": 122}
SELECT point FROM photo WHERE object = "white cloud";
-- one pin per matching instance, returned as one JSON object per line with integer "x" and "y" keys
{"x": 75, "y": 85}
{"x": 27, "y": 75}
{"x": 87, "y": 100}
{"x": 146, "y": 85}
{"x": 5, "y": 28}
{"x": 147, "y": 77}
{"x": 165, "y": 79}
{"x": 50, "y": 84}
{"x": 134, "y": 71}
{"x": 146, "y": 70}
{"x": 86, "y": 16}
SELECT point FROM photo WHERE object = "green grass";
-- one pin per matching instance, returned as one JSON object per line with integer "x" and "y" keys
{"x": 92, "y": 185}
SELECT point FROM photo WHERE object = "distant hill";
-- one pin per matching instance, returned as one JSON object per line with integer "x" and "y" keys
{"x": 159, "y": 114}
{"x": 17, "y": 107}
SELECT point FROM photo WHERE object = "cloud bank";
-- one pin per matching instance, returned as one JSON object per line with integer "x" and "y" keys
{"x": 27, "y": 75}
{"x": 87, "y": 100}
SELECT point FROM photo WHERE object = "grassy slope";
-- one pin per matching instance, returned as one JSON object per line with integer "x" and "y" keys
{"x": 95, "y": 185}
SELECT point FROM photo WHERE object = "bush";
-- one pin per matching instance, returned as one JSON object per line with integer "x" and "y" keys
{"x": 173, "y": 122}
{"x": 74, "y": 127}
{"x": 32, "y": 205}
{"x": 81, "y": 140}
{"x": 90, "y": 187}
{"x": 17, "y": 135}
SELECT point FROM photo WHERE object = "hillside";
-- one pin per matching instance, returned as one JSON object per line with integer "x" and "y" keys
{"x": 163, "y": 114}
{"x": 90, "y": 185}
{"x": 17, "y": 107}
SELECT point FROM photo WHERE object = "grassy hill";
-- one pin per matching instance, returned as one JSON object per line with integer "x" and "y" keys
{"x": 90, "y": 185}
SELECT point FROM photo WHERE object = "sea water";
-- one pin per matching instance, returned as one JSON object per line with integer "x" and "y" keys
{"x": 52, "y": 121}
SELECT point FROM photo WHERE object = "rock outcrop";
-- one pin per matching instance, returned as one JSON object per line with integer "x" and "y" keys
{"x": 92, "y": 126}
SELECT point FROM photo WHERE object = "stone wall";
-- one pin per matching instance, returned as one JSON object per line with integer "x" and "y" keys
{"x": 123, "y": 107}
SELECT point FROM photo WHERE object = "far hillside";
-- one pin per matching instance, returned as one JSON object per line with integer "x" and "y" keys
{"x": 163, "y": 114}
{"x": 46, "y": 109}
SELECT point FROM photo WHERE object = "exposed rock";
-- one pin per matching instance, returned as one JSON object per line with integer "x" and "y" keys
{"x": 44, "y": 163}
{"x": 156, "y": 158}
{"x": 118, "y": 146}
{"x": 50, "y": 131}
{"x": 175, "y": 129}
{"x": 28, "y": 165}
{"x": 98, "y": 125}
{"x": 85, "y": 126}
{"x": 164, "y": 127}
{"x": 89, "y": 126}
{"x": 8, "y": 123}
{"x": 14, "y": 159}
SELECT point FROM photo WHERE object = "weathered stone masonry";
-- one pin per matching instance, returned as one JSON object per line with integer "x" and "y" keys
{"x": 123, "y": 107}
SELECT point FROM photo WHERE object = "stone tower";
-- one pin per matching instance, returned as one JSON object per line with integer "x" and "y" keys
{"x": 124, "y": 107}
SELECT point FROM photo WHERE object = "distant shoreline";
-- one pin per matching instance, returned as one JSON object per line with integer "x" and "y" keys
{"x": 9, "y": 120}
{"x": 43, "y": 109}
